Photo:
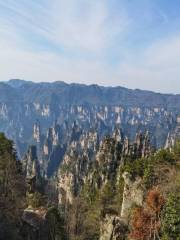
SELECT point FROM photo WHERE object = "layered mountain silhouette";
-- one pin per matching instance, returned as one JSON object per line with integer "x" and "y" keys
{"x": 28, "y": 109}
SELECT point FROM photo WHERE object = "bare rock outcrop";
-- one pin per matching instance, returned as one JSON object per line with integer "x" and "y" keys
{"x": 133, "y": 194}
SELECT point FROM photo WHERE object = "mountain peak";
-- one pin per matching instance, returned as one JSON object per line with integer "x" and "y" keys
{"x": 16, "y": 83}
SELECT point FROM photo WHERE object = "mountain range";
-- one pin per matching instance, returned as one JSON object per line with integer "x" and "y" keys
{"x": 31, "y": 112}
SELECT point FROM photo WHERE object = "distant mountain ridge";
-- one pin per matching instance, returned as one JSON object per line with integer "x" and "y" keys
{"x": 45, "y": 114}
{"x": 86, "y": 94}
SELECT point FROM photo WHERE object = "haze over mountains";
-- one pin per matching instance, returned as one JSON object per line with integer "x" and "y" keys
{"x": 81, "y": 93}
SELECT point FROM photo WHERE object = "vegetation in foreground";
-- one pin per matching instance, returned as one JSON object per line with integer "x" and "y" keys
{"x": 158, "y": 218}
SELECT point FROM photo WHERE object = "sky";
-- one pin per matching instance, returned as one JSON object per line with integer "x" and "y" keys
{"x": 130, "y": 43}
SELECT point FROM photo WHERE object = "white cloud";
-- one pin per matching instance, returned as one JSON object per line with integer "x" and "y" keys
{"x": 88, "y": 25}
{"x": 85, "y": 27}
{"x": 46, "y": 66}
{"x": 74, "y": 25}
{"x": 156, "y": 68}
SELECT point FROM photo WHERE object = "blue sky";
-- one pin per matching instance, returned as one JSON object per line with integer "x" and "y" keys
{"x": 132, "y": 43}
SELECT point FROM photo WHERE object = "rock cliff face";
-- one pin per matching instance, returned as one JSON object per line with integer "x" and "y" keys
{"x": 76, "y": 164}
{"x": 95, "y": 163}
{"x": 89, "y": 161}
{"x": 30, "y": 163}
{"x": 31, "y": 168}
{"x": 34, "y": 224}
{"x": 41, "y": 224}
{"x": 133, "y": 194}
{"x": 115, "y": 227}
{"x": 55, "y": 141}
{"x": 173, "y": 135}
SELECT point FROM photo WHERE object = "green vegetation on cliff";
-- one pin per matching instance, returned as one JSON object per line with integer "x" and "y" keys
{"x": 160, "y": 180}
{"x": 99, "y": 197}
{"x": 12, "y": 191}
